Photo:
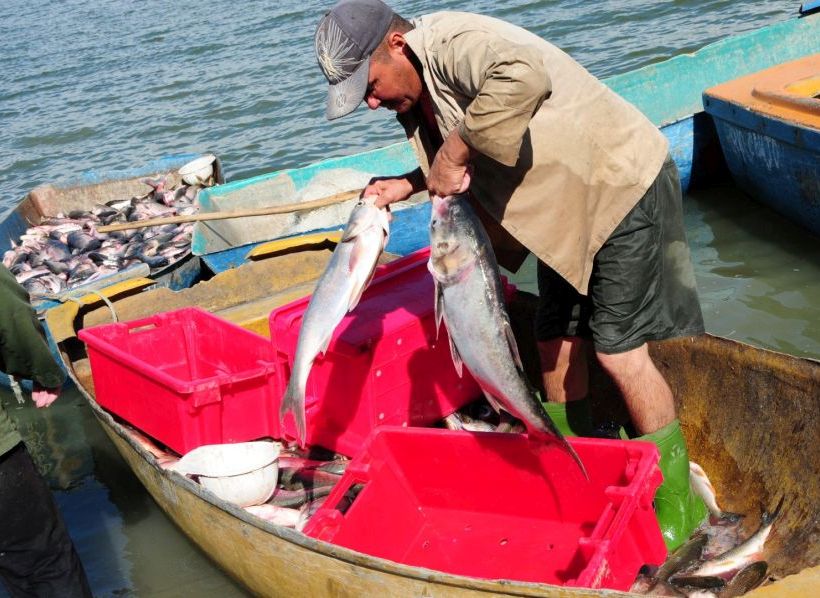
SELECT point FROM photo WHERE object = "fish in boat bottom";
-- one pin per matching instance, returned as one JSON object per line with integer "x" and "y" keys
{"x": 704, "y": 567}
{"x": 306, "y": 477}
{"x": 703, "y": 487}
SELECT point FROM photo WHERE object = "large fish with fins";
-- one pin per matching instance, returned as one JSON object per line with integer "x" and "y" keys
{"x": 337, "y": 292}
{"x": 470, "y": 301}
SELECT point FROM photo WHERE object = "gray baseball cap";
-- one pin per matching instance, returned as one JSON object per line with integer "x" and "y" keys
{"x": 347, "y": 36}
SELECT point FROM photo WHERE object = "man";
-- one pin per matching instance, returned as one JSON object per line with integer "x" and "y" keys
{"x": 558, "y": 165}
{"x": 37, "y": 557}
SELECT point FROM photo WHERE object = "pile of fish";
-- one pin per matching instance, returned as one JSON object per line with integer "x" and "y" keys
{"x": 305, "y": 480}
{"x": 66, "y": 250}
{"x": 715, "y": 562}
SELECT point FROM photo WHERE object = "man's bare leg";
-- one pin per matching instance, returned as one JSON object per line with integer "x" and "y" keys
{"x": 564, "y": 369}
{"x": 646, "y": 393}
{"x": 564, "y": 373}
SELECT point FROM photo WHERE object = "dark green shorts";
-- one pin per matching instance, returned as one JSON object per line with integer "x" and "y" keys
{"x": 642, "y": 286}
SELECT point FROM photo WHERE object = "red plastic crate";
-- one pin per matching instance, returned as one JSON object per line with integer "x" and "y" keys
{"x": 498, "y": 506}
{"x": 383, "y": 366}
{"x": 185, "y": 377}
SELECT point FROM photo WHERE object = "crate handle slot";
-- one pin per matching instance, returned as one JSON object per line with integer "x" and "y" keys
{"x": 225, "y": 378}
{"x": 143, "y": 324}
{"x": 326, "y": 522}
{"x": 353, "y": 478}
{"x": 138, "y": 329}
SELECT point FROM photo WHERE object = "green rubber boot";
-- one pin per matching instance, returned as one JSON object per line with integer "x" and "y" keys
{"x": 571, "y": 418}
{"x": 678, "y": 509}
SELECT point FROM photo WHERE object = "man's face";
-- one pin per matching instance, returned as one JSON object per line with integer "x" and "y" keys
{"x": 393, "y": 82}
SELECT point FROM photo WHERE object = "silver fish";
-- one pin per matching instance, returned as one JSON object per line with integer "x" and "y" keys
{"x": 682, "y": 558}
{"x": 701, "y": 486}
{"x": 469, "y": 299}
{"x": 337, "y": 292}
{"x": 458, "y": 421}
{"x": 740, "y": 556}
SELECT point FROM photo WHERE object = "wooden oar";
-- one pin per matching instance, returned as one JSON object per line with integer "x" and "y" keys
{"x": 282, "y": 209}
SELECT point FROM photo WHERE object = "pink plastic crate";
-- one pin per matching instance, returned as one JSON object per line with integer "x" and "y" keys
{"x": 498, "y": 506}
{"x": 185, "y": 377}
{"x": 384, "y": 364}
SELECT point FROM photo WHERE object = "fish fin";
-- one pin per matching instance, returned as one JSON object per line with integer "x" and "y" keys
{"x": 438, "y": 304}
{"x": 551, "y": 433}
{"x": 438, "y": 307}
{"x": 702, "y": 582}
{"x": 769, "y": 517}
{"x": 358, "y": 291}
{"x": 457, "y": 361}
{"x": 294, "y": 401}
{"x": 508, "y": 332}
{"x": 747, "y": 579}
{"x": 326, "y": 343}
{"x": 356, "y": 296}
{"x": 493, "y": 401}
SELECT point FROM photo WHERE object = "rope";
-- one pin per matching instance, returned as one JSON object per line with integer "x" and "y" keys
{"x": 105, "y": 300}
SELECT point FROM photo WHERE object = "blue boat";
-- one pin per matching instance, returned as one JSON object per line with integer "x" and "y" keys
{"x": 768, "y": 123}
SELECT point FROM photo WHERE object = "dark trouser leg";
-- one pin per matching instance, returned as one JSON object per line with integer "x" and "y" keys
{"x": 37, "y": 557}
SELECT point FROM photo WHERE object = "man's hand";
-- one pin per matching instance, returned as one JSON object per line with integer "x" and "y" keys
{"x": 388, "y": 191}
{"x": 449, "y": 172}
{"x": 43, "y": 397}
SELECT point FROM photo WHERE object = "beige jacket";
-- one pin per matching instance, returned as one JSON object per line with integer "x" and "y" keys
{"x": 563, "y": 158}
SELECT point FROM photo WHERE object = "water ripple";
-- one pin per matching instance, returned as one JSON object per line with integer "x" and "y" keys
{"x": 103, "y": 86}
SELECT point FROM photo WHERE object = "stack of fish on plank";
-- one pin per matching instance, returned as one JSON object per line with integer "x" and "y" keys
{"x": 66, "y": 250}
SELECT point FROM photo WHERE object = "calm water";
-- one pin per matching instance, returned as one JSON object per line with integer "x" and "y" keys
{"x": 110, "y": 85}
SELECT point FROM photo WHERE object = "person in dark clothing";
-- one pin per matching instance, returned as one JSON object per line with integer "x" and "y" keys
{"x": 37, "y": 556}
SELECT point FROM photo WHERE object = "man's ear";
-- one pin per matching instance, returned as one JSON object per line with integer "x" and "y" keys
{"x": 396, "y": 41}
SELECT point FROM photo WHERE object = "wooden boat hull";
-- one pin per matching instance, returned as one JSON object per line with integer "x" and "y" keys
{"x": 751, "y": 418}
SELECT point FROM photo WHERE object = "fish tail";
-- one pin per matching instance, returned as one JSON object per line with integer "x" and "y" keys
{"x": 769, "y": 516}
{"x": 293, "y": 401}
{"x": 552, "y": 434}
{"x": 568, "y": 448}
